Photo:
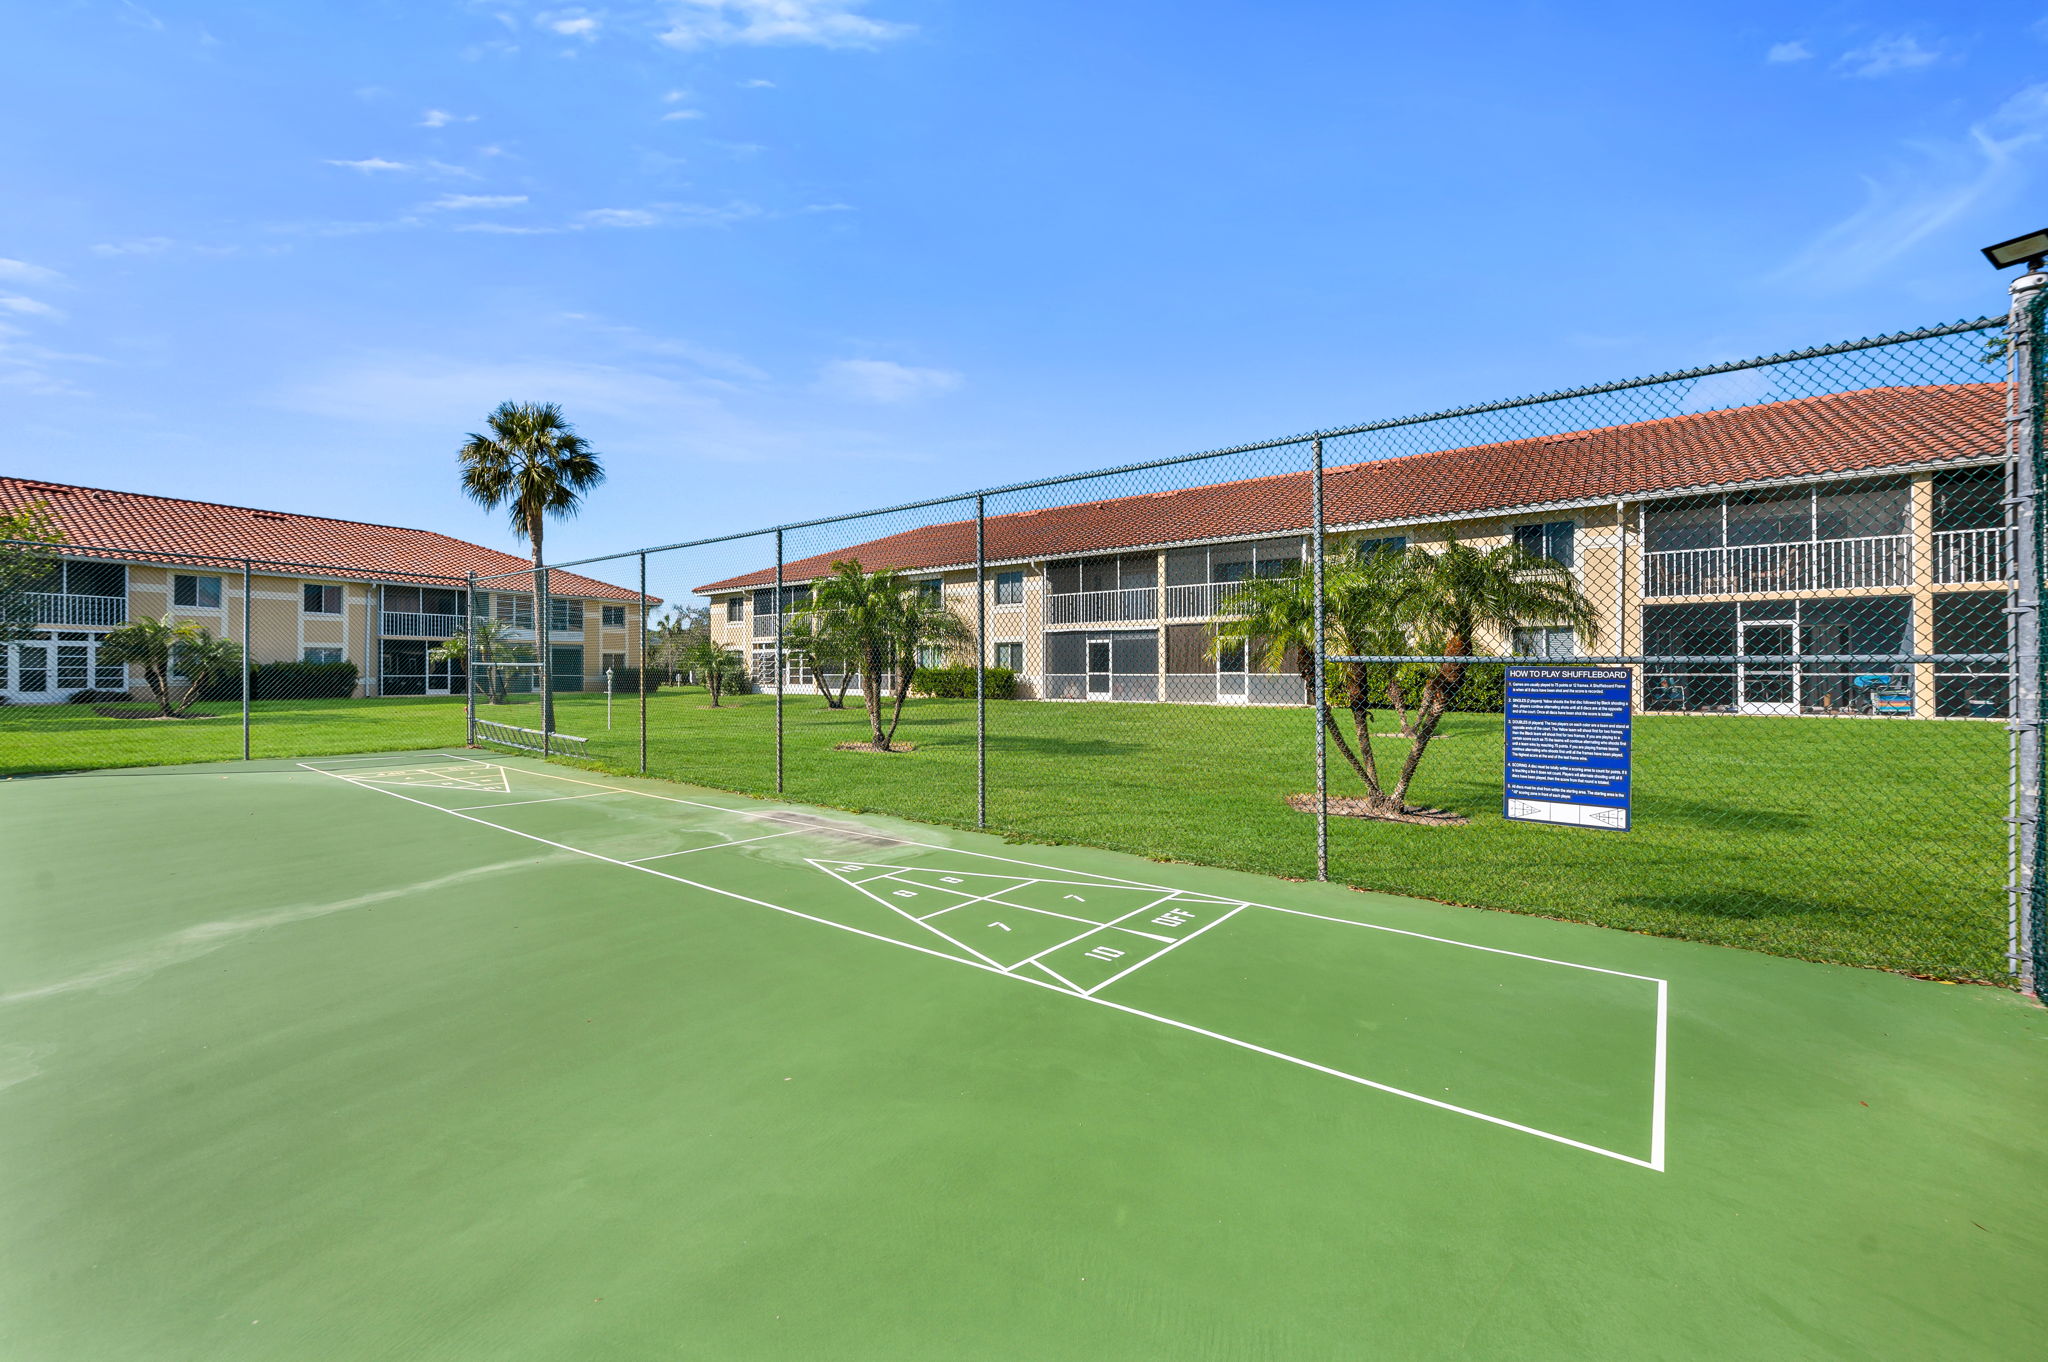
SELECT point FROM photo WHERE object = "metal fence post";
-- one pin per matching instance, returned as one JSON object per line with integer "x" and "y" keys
{"x": 1322, "y": 698}
{"x": 981, "y": 662}
{"x": 644, "y": 663}
{"x": 469, "y": 663}
{"x": 248, "y": 658}
{"x": 2024, "y": 435}
{"x": 778, "y": 662}
{"x": 543, "y": 606}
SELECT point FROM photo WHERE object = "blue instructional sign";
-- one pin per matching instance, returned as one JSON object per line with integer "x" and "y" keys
{"x": 1568, "y": 741}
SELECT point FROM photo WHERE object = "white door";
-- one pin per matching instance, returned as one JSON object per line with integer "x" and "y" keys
{"x": 1098, "y": 669}
{"x": 32, "y": 671}
{"x": 1768, "y": 687}
{"x": 1230, "y": 672}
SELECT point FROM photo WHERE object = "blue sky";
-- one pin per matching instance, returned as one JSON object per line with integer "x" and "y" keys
{"x": 784, "y": 257}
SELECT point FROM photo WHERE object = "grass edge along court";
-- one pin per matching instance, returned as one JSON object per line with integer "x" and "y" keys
{"x": 299, "y": 1068}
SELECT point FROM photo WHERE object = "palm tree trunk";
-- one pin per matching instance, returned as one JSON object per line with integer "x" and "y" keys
{"x": 1361, "y": 720}
{"x": 902, "y": 690}
{"x": 871, "y": 691}
{"x": 1436, "y": 698}
{"x": 1399, "y": 702}
{"x": 1307, "y": 667}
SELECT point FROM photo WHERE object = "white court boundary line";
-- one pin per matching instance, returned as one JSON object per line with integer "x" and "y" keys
{"x": 1659, "y": 1081}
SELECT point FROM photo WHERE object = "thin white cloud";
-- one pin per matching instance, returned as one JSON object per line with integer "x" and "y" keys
{"x": 141, "y": 245}
{"x": 759, "y": 23}
{"x": 619, "y": 217}
{"x": 464, "y": 202}
{"x": 757, "y": 84}
{"x": 27, "y": 307}
{"x": 572, "y": 24}
{"x": 508, "y": 229}
{"x": 681, "y": 115}
{"x": 675, "y": 96}
{"x": 1788, "y": 52}
{"x": 1932, "y": 184}
{"x": 883, "y": 381}
{"x": 370, "y": 165}
{"x": 441, "y": 118}
{"x": 826, "y": 208}
{"x": 1887, "y": 56}
{"x": 21, "y": 272}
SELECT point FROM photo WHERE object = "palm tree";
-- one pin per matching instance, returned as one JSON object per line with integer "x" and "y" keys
{"x": 1275, "y": 618}
{"x": 1457, "y": 592}
{"x": 922, "y": 622}
{"x": 535, "y": 465}
{"x": 831, "y": 647}
{"x": 717, "y": 663}
{"x": 866, "y": 606}
{"x": 670, "y": 637}
{"x": 494, "y": 651}
{"x": 166, "y": 649}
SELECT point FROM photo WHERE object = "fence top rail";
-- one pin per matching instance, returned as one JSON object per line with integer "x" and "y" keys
{"x": 1308, "y": 437}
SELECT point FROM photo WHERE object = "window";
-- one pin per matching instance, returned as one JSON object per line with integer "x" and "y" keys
{"x": 1553, "y": 540}
{"x": 735, "y": 609}
{"x": 615, "y": 618}
{"x": 1546, "y": 643}
{"x": 322, "y": 600}
{"x": 1010, "y": 655}
{"x": 513, "y": 609}
{"x": 1395, "y": 543}
{"x": 565, "y": 615}
{"x": 197, "y": 591}
{"x": 1009, "y": 588}
{"x": 930, "y": 588}
{"x": 612, "y": 662}
{"x": 928, "y": 656}
{"x": 323, "y": 655}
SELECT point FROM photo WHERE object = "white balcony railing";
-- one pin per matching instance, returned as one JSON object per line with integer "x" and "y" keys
{"x": 1127, "y": 606}
{"x": 78, "y": 612}
{"x": 764, "y": 626}
{"x": 1823, "y": 565}
{"x": 1203, "y": 600}
{"x": 1971, "y": 555}
{"x": 411, "y": 624}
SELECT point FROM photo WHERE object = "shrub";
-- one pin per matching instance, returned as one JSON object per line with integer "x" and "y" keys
{"x": 626, "y": 681}
{"x": 957, "y": 683}
{"x": 1484, "y": 691}
{"x": 283, "y": 681}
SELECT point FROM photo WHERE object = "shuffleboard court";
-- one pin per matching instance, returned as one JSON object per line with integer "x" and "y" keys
{"x": 1554, "y": 1049}
{"x": 458, "y": 1055}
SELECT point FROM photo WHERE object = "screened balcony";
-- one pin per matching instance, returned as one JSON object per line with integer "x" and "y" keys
{"x": 79, "y": 595}
{"x": 1782, "y": 541}
{"x": 1102, "y": 591}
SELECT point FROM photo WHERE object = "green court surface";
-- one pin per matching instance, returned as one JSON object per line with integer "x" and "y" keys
{"x": 450, "y": 1055}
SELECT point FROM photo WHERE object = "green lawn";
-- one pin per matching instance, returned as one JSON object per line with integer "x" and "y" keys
{"x": 1858, "y": 842}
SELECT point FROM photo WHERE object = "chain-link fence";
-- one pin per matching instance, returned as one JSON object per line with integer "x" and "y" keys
{"x": 1371, "y": 654}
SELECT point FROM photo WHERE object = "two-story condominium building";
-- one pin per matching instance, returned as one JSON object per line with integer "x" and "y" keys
{"x": 320, "y": 590}
{"x": 1861, "y": 523}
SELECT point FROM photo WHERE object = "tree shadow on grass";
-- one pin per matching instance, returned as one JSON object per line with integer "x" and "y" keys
{"x": 1728, "y": 817}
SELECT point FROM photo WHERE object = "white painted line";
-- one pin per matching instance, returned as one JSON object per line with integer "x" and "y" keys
{"x": 1152, "y": 935}
{"x": 1103, "y": 882}
{"x": 1033, "y": 959}
{"x": 1655, "y": 1163}
{"x": 1659, "y": 1080}
{"x": 515, "y": 803}
{"x": 1039, "y": 965}
{"x": 1490, "y": 950}
{"x": 933, "y": 930}
{"x": 1382, "y": 1087}
{"x": 714, "y": 846}
{"x": 1165, "y": 949}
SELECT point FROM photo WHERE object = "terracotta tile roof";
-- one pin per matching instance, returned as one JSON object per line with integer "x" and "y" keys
{"x": 1842, "y": 433}
{"x": 206, "y": 534}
